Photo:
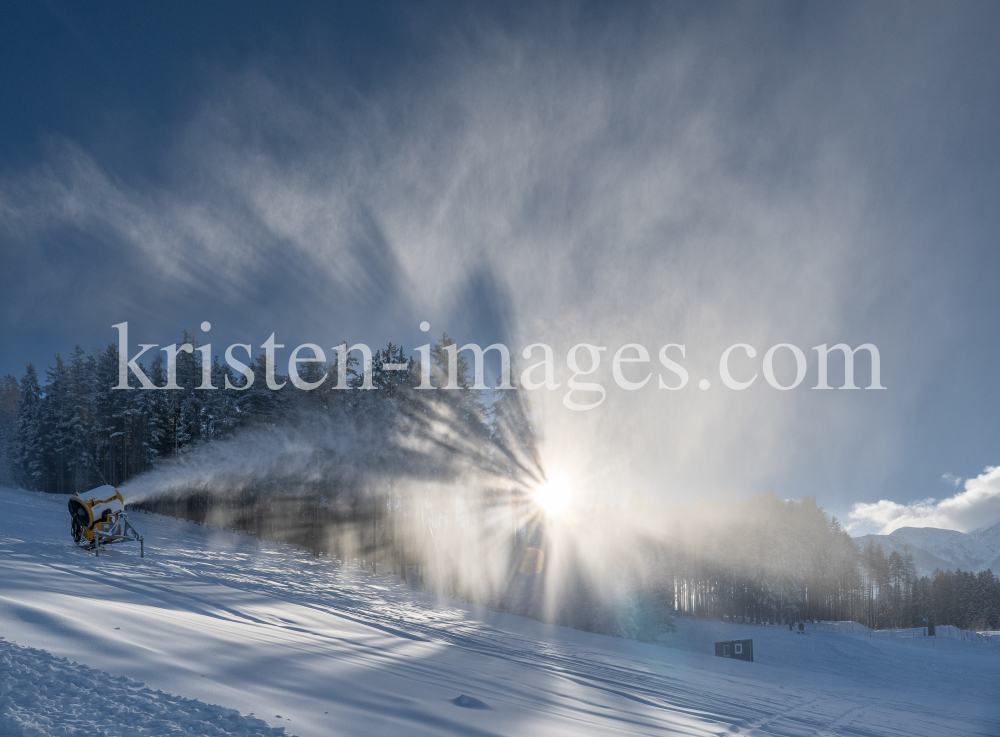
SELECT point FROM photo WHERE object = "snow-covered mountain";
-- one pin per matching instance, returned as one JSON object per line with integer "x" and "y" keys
{"x": 989, "y": 535}
{"x": 934, "y": 548}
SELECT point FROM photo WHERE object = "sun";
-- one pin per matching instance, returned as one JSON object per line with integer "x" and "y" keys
{"x": 553, "y": 497}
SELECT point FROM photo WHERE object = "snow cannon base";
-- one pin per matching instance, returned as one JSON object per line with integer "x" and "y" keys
{"x": 99, "y": 519}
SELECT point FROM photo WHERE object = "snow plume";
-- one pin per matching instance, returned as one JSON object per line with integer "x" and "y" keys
{"x": 629, "y": 178}
{"x": 443, "y": 482}
{"x": 966, "y": 510}
{"x": 340, "y": 452}
{"x": 442, "y": 485}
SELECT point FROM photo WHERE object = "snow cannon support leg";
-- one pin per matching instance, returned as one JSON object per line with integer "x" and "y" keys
{"x": 142, "y": 548}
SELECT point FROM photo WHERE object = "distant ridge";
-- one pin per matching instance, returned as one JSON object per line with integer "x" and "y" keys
{"x": 935, "y": 548}
{"x": 989, "y": 535}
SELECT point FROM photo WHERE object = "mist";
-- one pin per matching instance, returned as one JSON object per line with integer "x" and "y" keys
{"x": 663, "y": 176}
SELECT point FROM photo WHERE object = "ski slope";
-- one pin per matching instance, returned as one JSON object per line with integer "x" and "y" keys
{"x": 212, "y": 621}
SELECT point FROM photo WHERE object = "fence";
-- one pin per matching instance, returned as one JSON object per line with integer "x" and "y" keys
{"x": 987, "y": 637}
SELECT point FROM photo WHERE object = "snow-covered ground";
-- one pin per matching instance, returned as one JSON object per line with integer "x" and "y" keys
{"x": 267, "y": 630}
{"x": 44, "y": 695}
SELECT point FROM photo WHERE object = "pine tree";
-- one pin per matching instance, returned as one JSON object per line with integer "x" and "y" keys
{"x": 79, "y": 422}
{"x": 261, "y": 405}
{"x": 30, "y": 457}
{"x": 57, "y": 427}
{"x": 9, "y": 400}
{"x": 157, "y": 406}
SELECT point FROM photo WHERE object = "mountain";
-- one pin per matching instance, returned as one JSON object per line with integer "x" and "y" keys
{"x": 924, "y": 562}
{"x": 963, "y": 550}
{"x": 988, "y": 535}
{"x": 934, "y": 548}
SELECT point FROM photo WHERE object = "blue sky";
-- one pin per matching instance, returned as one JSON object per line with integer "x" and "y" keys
{"x": 689, "y": 173}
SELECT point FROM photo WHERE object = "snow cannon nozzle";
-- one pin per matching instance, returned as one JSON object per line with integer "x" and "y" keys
{"x": 99, "y": 519}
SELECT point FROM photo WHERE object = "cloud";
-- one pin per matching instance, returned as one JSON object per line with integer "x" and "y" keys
{"x": 966, "y": 510}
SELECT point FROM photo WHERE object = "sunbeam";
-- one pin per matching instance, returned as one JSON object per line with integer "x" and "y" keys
{"x": 554, "y": 496}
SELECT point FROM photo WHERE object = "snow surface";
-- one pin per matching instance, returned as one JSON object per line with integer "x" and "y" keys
{"x": 44, "y": 695}
{"x": 263, "y": 628}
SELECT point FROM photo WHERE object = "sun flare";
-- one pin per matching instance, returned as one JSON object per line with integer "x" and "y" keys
{"x": 553, "y": 497}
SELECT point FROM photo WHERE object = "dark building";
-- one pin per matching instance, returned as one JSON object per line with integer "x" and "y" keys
{"x": 736, "y": 649}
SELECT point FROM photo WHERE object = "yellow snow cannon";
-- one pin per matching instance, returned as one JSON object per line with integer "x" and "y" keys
{"x": 99, "y": 519}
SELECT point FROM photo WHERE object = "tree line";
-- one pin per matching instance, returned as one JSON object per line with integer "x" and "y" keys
{"x": 769, "y": 560}
{"x": 437, "y": 485}
{"x": 74, "y": 431}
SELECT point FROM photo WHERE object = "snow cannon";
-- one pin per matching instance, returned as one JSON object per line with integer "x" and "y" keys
{"x": 99, "y": 519}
